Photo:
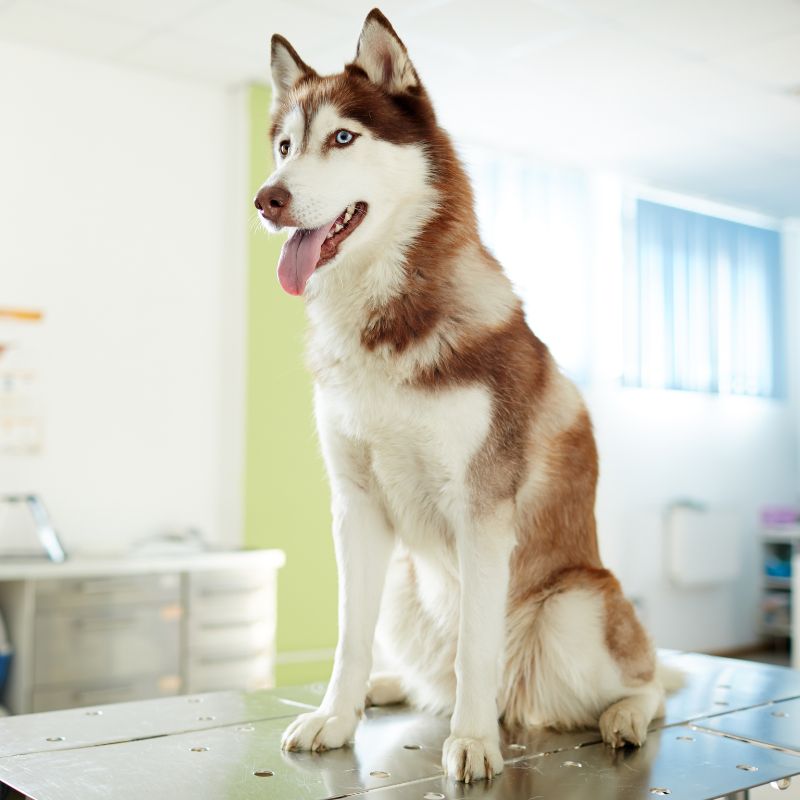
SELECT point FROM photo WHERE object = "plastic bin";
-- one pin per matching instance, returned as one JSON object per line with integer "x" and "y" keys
{"x": 5, "y": 663}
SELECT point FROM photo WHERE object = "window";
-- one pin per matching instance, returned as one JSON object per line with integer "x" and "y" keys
{"x": 537, "y": 222}
{"x": 703, "y": 305}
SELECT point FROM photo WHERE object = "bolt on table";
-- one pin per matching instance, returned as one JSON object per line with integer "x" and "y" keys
{"x": 733, "y": 726}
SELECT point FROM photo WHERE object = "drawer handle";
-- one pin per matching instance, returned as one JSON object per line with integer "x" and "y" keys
{"x": 220, "y": 626}
{"x": 231, "y": 659}
{"x": 103, "y": 587}
{"x": 222, "y": 591}
{"x": 145, "y": 587}
{"x": 105, "y": 624}
{"x": 91, "y": 696}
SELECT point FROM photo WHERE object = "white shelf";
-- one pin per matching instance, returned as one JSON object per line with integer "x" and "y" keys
{"x": 774, "y": 582}
{"x": 777, "y": 630}
{"x": 776, "y": 539}
{"x": 781, "y": 534}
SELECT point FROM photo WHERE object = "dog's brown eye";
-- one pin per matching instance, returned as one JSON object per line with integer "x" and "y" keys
{"x": 283, "y": 148}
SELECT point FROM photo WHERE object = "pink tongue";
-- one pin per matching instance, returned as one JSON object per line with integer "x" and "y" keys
{"x": 299, "y": 257}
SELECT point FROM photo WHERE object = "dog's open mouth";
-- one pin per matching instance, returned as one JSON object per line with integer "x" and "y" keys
{"x": 308, "y": 249}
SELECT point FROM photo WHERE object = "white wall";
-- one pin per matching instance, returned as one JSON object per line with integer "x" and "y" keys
{"x": 656, "y": 447}
{"x": 791, "y": 261}
{"x": 116, "y": 215}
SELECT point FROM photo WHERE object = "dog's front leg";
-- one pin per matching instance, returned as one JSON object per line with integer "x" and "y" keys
{"x": 363, "y": 545}
{"x": 472, "y": 751}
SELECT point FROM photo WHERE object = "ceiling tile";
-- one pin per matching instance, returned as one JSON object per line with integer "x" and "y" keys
{"x": 606, "y": 61}
{"x": 197, "y": 60}
{"x": 249, "y": 24}
{"x": 605, "y": 100}
{"x": 39, "y": 23}
{"x": 396, "y": 11}
{"x": 775, "y": 63}
{"x": 712, "y": 27}
{"x": 770, "y": 126}
{"x": 146, "y": 13}
{"x": 757, "y": 182}
{"x": 480, "y": 30}
{"x": 592, "y": 9}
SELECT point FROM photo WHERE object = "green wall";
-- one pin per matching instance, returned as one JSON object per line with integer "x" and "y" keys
{"x": 286, "y": 491}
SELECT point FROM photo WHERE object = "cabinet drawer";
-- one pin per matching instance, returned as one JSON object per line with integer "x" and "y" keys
{"x": 230, "y": 581}
{"x": 246, "y": 605}
{"x": 213, "y": 674}
{"x": 81, "y": 695}
{"x": 117, "y": 590}
{"x": 92, "y": 644}
{"x": 231, "y": 638}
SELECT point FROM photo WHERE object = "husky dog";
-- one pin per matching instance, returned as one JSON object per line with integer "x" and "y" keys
{"x": 461, "y": 461}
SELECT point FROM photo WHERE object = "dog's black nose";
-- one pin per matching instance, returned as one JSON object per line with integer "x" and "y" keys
{"x": 272, "y": 200}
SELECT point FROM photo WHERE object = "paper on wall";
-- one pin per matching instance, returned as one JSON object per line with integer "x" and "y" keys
{"x": 21, "y": 405}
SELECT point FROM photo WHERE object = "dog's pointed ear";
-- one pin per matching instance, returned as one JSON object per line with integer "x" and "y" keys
{"x": 287, "y": 68}
{"x": 383, "y": 56}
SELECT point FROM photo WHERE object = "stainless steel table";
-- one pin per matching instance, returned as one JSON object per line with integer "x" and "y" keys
{"x": 735, "y": 725}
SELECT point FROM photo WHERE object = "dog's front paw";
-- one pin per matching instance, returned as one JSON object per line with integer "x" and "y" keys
{"x": 471, "y": 760}
{"x": 319, "y": 731}
{"x": 623, "y": 723}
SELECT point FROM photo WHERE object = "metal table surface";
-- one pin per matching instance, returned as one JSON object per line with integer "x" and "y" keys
{"x": 733, "y": 726}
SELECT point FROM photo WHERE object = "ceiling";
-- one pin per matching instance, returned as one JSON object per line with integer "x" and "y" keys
{"x": 697, "y": 96}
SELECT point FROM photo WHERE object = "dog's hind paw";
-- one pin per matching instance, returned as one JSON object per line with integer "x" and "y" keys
{"x": 623, "y": 723}
{"x": 319, "y": 731}
{"x": 469, "y": 760}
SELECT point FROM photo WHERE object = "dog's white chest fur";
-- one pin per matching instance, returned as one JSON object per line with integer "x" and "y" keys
{"x": 419, "y": 443}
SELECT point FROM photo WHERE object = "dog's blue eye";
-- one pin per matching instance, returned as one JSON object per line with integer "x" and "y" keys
{"x": 343, "y": 137}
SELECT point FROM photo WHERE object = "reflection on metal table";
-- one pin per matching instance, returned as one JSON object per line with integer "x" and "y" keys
{"x": 733, "y": 726}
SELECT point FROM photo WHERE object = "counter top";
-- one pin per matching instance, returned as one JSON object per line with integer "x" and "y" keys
{"x": 130, "y": 564}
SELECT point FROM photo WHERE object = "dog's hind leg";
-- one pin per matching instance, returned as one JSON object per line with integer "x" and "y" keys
{"x": 578, "y": 657}
{"x": 627, "y": 720}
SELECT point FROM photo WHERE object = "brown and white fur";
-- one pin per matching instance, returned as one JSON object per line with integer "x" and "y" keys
{"x": 462, "y": 462}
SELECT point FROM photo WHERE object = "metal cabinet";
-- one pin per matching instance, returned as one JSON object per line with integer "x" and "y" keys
{"x": 230, "y": 629}
{"x": 100, "y": 692}
{"x": 99, "y": 637}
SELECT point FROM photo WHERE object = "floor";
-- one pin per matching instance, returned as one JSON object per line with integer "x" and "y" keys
{"x": 777, "y": 653}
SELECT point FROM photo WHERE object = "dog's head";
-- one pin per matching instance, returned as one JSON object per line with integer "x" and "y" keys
{"x": 352, "y": 155}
